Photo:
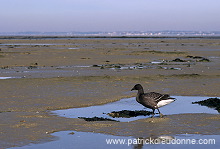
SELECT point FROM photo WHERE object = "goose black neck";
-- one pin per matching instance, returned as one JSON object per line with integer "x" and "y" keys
{"x": 141, "y": 91}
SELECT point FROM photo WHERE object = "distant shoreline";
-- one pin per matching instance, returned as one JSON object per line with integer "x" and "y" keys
{"x": 65, "y": 37}
{"x": 115, "y": 34}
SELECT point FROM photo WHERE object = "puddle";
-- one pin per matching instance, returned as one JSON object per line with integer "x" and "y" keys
{"x": 183, "y": 104}
{"x": 18, "y": 72}
{"x": 170, "y": 68}
{"x": 4, "y": 78}
{"x": 156, "y": 62}
{"x": 122, "y": 66}
{"x": 129, "y": 67}
{"x": 72, "y": 139}
{"x": 75, "y": 66}
{"x": 151, "y": 65}
{"x": 73, "y": 48}
{"x": 33, "y": 44}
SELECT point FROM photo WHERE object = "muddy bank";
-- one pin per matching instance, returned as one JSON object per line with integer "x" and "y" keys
{"x": 170, "y": 125}
{"x": 59, "y": 74}
{"x": 32, "y": 95}
{"x": 37, "y": 126}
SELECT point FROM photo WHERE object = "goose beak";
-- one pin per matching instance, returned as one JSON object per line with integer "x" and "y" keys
{"x": 132, "y": 89}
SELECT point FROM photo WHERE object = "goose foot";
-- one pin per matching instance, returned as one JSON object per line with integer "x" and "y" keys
{"x": 153, "y": 113}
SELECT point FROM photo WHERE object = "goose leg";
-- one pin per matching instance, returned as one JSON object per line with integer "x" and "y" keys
{"x": 153, "y": 113}
{"x": 161, "y": 115}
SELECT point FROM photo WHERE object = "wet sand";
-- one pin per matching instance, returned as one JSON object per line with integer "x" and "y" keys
{"x": 62, "y": 73}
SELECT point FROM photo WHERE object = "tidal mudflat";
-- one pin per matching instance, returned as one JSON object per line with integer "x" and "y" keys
{"x": 40, "y": 75}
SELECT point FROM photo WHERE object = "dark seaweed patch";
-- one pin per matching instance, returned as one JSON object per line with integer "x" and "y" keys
{"x": 194, "y": 57}
{"x": 159, "y": 52}
{"x": 32, "y": 67}
{"x": 203, "y": 60}
{"x": 96, "y": 119}
{"x": 71, "y": 133}
{"x": 186, "y": 75}
{"x": 198, "y": 58}
{"x": 4, "y": 111}
{"x": 128, "y": 113}
{"x": 178, "y": 60}
{"x": 211, "y": 103}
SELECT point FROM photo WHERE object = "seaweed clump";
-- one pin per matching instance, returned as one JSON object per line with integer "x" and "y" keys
{"x": 211, "y": 103}
{"x": 128, "y": 113}
{"x": 96, "y": 119}
{"x": 198, "y": 58}
{"x": 178, "y": 60}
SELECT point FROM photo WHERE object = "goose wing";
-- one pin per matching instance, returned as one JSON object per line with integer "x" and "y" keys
{"x": 154, "y": 100}
{"x": 156, "y": 97}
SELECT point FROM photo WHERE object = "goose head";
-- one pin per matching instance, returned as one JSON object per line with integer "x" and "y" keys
{"x": 137, "y": 87}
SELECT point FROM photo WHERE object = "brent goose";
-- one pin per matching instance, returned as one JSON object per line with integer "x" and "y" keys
{"x": 152, "y": 100}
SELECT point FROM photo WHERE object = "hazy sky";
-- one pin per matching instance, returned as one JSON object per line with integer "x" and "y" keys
{"x": 109, "y": 15}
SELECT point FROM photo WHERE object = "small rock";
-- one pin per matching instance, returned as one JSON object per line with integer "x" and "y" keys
{"x": 71, "y": 133}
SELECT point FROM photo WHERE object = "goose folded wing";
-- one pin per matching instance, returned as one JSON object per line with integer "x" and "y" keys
{"x": 157, "y": 96}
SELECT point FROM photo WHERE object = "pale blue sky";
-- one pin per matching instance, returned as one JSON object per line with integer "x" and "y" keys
{"x": 109, "y": 15}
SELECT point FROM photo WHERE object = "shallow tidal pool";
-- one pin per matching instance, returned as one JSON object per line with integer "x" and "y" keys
{"x": 183, "y": 104}
{"x": 84, "y": 140}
